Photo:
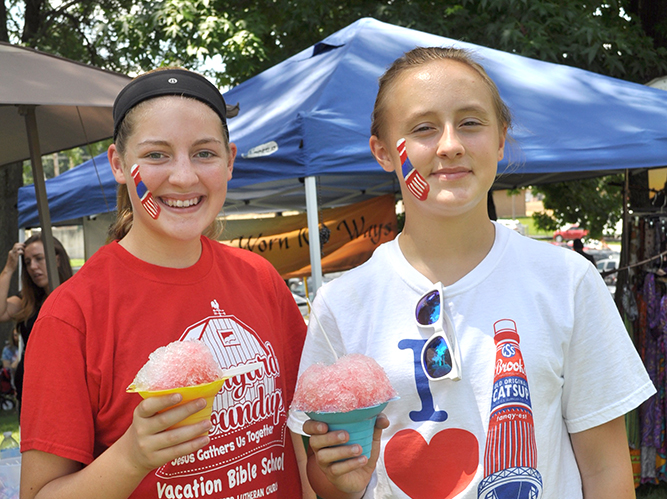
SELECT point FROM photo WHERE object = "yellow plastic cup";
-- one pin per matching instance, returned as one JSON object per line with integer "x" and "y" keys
{"x": 206, "y": 391}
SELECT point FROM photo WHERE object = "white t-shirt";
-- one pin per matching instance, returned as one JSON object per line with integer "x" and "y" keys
{"x": 581, "y": 366}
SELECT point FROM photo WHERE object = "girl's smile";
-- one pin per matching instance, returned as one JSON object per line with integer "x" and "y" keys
{"x": 179, "y": 203}
{"x": 451, "y": 174}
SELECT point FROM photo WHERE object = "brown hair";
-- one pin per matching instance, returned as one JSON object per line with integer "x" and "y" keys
{"x": 32, "y": 296}
{"x": 124, "y": 215}
{"x": 14, "y": 341}
{"x": 423, "y": 55}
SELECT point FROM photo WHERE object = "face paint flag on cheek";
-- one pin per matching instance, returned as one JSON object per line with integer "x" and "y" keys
{"x": 415, "y": 182}
{"x": 144, "y": 194}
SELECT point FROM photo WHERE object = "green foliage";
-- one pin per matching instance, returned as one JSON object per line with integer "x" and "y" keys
{"x": 595, "y": 204}
{"x": 596, "y": 36}
{"x": 188, "y": 33}
{"x": 237, "y": 39}
{"x": 66, "y": 160}
{"x": 400, "y": 221}
{"x": 652, "y": 491}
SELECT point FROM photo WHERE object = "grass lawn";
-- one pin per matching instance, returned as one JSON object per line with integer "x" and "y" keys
{"x": 533, "y": 231}
{"x": 76, "y": 263}
{"x": 648, "y": 491}
{"x": 9, "y": 421}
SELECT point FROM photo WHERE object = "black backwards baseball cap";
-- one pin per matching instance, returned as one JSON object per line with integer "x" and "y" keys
{"x": 170, "y": 82}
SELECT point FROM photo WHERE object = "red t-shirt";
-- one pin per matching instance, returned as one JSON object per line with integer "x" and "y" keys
{"x": 96, "y": 331}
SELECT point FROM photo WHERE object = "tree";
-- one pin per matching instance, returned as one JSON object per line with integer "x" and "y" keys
{"x": 571, "y": 202}
{"x": 246, "y": 37}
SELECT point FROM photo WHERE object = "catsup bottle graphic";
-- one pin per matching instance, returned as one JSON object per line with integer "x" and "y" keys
{"x": 510, "y": 456}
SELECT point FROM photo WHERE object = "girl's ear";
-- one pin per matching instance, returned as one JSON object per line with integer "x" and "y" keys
{"x": 502, "y": 142}
{"x": 116, "y": 164}
{"x": 382, "y": 154}
{"x": 230, "y": 160}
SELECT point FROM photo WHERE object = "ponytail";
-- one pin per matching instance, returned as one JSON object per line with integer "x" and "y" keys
{"x": 124, "y": 215}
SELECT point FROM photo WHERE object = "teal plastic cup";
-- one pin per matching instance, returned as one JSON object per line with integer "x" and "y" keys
{"x": 359, "y": 423}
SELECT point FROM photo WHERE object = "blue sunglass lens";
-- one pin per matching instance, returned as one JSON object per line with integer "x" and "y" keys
{"x": 428, "y": 309}
{"x": 437, "y": 358}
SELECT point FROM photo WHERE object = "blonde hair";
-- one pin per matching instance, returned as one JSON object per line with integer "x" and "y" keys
{"x": 124, "y": 213}
{"x": 423, "y": 55}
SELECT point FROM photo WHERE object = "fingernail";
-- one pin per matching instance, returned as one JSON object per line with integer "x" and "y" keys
{"x": 341, "y": 436}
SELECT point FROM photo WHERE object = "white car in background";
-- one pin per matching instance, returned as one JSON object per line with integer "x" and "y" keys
{"x": 609, "y": 263}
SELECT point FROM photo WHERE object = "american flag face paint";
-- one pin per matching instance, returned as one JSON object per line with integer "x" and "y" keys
{"x": 415, "y": 182}
{"x": 144, "y": 194}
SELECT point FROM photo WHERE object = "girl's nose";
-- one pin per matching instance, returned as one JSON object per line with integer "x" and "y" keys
{"x": 450, "y": 144}
{"x": 183, "y": 173}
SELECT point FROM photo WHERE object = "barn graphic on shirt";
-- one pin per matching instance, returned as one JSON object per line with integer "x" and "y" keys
{"x": 248, "y": 409}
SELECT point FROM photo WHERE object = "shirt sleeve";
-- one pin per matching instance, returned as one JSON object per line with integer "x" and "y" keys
{"x": 604, "y": 376}
{"x": 56, "y": 414}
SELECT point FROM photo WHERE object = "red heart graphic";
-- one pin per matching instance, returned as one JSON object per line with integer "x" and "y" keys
{"x": 440, "y": 469}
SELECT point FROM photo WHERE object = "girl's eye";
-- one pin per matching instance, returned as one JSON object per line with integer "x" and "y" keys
{"x": 154, "y": 155}
{"x": 422, "y": 128}
{"x": 471, "y": 123}
{"x": 205, "y": 154}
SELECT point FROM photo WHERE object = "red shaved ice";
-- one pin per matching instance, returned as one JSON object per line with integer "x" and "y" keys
{"x": 178, "y": 364}
{"x": 354, "y": 381}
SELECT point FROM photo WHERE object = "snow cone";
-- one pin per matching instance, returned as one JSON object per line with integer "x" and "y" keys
{"x": 185, "y": 367}
{"x": 347, "y": 395}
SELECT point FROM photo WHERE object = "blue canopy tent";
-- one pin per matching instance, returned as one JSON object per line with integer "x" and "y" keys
{"x": 308, "y": 118}
{"x": 85, "y": 190}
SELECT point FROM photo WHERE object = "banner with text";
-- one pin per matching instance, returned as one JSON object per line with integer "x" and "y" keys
{"x": 354, "y": 232}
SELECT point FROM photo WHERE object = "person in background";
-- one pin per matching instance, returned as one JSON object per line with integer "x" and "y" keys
{"x": 578, "y": 246}
{"x": 513, "y": 367}
{"x": 11, "y": 353}
{"x": 24, "y": 307}
{"x": 164, "y": 278}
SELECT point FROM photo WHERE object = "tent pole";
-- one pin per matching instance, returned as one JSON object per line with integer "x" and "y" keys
{"x": 625, "y": 233}
{"x": 40, "y": 193}
{"x": 313, "y": 233}
{"x": 623, "y": 277}
{"x": 20, "y": 266}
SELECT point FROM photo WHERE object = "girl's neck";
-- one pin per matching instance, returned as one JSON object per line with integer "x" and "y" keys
{"x": 446, "y": 249}
{"x": 164, "y": 252}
